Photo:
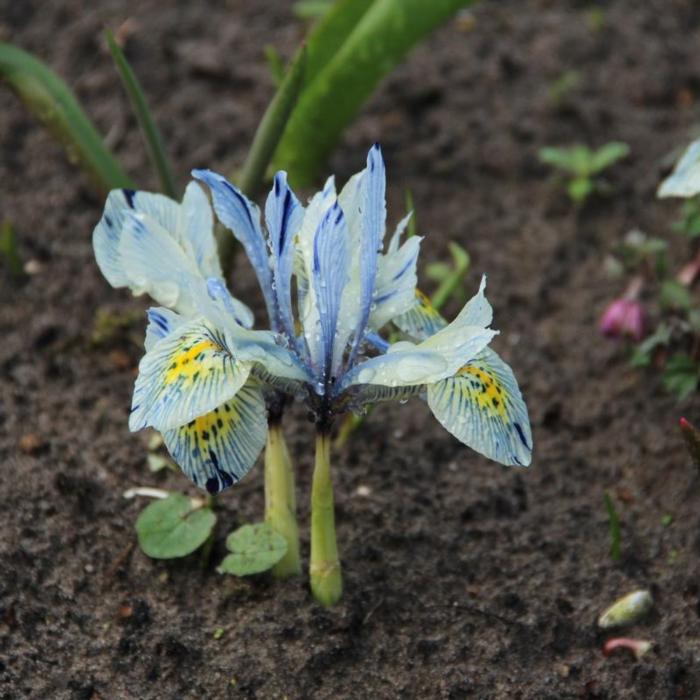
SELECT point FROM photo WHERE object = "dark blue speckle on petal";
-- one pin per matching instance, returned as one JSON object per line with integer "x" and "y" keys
{"x": 129, "y": 196}
{"x": 521, "y": 435}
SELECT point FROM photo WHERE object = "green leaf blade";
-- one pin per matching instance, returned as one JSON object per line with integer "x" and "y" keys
{"x": 151, "y": 134}
{"x": 272, "y": 127}
{"x": 335, "y": 91}
{"x": 254, "y": 549}
{"x": 608, "y": 155}
{"x": 172, "y": 528}
{"x": 53, "y": 103}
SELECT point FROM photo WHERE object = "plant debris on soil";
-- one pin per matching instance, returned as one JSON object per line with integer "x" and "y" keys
{"x": 463, "y": 579}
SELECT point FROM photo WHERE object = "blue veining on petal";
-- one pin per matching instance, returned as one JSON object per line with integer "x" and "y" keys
{"x": 242, "y": 217}
{"x": 373, "y": 223}
{"x": 329, "y": 272}
{"x": 283, "y": 215}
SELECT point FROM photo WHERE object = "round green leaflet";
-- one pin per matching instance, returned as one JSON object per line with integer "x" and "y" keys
{"x": 173, "y": 527}
{"x": 254, "y": 548}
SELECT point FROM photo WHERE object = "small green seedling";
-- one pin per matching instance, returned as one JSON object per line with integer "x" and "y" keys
{"x": 563, "y": 87}
{"x": 253, "y": 549}
{"x": 174, "y": 526}
{"x": 582, "y": 167}
{"x": 614, "y": 527}
{"x": 681, "y": 375}
{"x": 451, "y": 278}
{"x": 644, "y": 353}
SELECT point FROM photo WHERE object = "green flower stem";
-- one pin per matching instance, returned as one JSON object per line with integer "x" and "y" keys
{"x": 280, "y": 500}
{"x": 324, "y": 568}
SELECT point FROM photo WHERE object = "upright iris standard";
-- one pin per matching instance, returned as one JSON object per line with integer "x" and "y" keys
{"x": 206, "y": 378}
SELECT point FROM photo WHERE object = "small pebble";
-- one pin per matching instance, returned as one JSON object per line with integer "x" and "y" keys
{"x": 31, "y": 443}
{"x": 627, "y": 610}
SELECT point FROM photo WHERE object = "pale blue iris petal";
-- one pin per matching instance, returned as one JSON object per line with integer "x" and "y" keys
{"x": 161, "y": 322}
{"x": 375, "y": 393}
{"x": 421, "y": 321}
{"x": 430, "y": 361}
{"x": 186, "y": 374}
{"x": 396, "y": 236}
{"x": 329, "y": 274}
{"x": 684, "y": 181}
{"x": 284, "y": 216}
{"x": 482, "y": 407}
{"x": 108, "y": 232}
{"x": 477, "y": 311}
{"x": 155, "y": 263}
{"x": 237, "y": 309}
{"x": 242, "y": 217}
{"x": 394, "y": 292}
{"x": 260, "y": 347}
{"x": 218, "y": 449}
{"x": 196, "y": 230}
{"x": 377, "y": 342}
{"x": 373, "y": 224}
{"x": 320, "y": 203}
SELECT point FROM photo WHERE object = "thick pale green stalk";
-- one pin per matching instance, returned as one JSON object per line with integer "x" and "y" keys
{"x": 324, "y": 568}
{"x": 151, "y": 134}
{"x": 280, "y": 500}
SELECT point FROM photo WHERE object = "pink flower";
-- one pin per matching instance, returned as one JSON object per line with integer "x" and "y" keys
{"x": 623, "y": 317}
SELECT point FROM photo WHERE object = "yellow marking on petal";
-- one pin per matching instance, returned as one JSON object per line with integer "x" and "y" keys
{"x": 187, "y": 363}
{"x": 213, "y": 426}
{"x": 489, "y": 393}
{"x": 425, "y": 302}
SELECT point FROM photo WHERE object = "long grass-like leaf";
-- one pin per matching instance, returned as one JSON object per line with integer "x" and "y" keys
{"x": 272, "y": 127}
{"x": 265, "y": 141}
{"x": 151, "y": 134}
{"x": 344, "y": 75}
{"x": 330, "y": 33}
{"x": 53, "y": 103}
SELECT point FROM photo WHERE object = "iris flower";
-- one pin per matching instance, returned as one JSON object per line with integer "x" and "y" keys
{"x": 331, "y": 284}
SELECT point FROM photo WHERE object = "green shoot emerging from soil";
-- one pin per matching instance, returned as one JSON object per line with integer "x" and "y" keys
{"x": 582, "y": 167}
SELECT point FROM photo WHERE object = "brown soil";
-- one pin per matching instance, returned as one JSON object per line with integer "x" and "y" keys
{"x": 463, "y": 578}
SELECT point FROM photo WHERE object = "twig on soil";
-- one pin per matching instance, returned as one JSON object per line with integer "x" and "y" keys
{"x": 118, "y": 562}
{"x": 490, "y": 614}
